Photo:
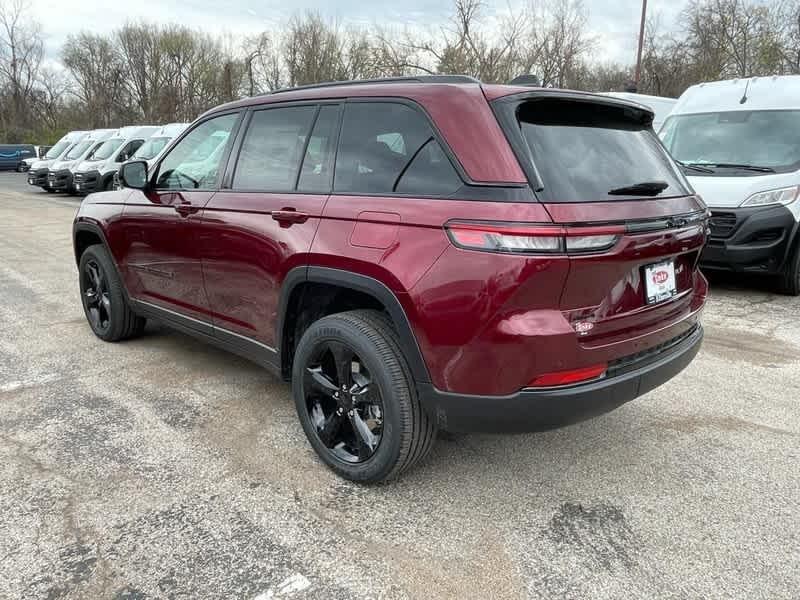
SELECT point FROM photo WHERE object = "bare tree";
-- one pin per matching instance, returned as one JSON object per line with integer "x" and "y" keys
{"x": 21, "y": 50}
{"x": 557, "y": 41}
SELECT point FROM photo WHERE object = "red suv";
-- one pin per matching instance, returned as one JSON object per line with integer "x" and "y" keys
{"x": 412, "y": 254}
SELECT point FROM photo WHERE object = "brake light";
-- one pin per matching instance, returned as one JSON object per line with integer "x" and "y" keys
{"x": 532, "y": 238}
{"x": 571, "y": 376}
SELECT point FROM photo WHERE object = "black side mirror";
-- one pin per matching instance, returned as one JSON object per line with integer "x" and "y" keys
{"x": 134, "y": 175}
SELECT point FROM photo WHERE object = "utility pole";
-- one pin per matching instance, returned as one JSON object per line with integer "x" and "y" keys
{"x": 641, "y": 45}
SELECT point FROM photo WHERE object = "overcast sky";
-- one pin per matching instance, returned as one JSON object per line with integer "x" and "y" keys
{"x": 614, "y": 22}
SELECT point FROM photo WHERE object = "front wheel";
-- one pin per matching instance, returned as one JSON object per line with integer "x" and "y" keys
{"x": 356, "y": 399}
{"x": 49, "y": 190}
{"x": 104, "y": 302}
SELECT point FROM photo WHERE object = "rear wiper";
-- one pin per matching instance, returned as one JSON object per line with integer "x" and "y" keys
{"x": 694, "y": 167}
{"x": 644, "y": 188}
{"x": 743, "y": 167}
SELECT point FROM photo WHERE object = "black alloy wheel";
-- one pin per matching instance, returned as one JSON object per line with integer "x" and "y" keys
{"x": 95, "y": 287}
{"x": 343, "y": 402}
{"x": 103, "y": 296}
{"x": 356, "y": 398}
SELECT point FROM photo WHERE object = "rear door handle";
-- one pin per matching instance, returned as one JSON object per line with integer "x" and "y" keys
{"x": 185, "y": 210}
{"x": 289, "y": 216}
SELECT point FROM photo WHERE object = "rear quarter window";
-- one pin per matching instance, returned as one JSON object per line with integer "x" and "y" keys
{"x": 390, "y": 148}
{"x": 583, "y": 151}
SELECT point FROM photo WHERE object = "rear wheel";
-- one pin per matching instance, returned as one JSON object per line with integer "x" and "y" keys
{"x": 356, "y": 399}
{"x": 104, "y": 302}
{"x": 790, "y": 279}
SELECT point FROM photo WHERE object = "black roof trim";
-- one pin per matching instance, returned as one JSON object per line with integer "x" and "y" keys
{"x": 381, "y": 80}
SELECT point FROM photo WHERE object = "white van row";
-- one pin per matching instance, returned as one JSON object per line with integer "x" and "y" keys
{"x": 738, "y": 143}
{"x": 83, "y": 162}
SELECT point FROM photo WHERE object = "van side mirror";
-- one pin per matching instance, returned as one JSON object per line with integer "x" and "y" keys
{"x": 134, "y": 175}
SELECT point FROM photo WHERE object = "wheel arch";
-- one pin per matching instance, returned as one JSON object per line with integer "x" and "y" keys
{"x": 367, "y": 288}
{"x": 88, "y": 233}
{"x": 85, "y": 234}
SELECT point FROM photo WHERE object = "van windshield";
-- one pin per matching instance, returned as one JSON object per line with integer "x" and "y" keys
{"x": 594, "y": 152}
{"x": 78, "y": 150}
{"x": 151, "y": 147}
{"x": 766, "y": 138}
{"x": 107, "y": 149}
{"x": 56, "y": 150}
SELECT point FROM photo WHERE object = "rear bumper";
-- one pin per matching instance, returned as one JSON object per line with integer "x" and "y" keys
{"x": 538, "y": 410}
{"x": 60, "y": 180}
{"x": 749, "y": 239}
{"x": 38, "y": 178}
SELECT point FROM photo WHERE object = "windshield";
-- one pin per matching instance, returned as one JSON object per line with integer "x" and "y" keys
{"x": 151, "y": 148}
{"x": 756, "y": 138}
{"x": 56, "y": 150}
{"x": 107, "y": 149}
{"x": 78, "y": 150}
{"x": 588, "y": 152}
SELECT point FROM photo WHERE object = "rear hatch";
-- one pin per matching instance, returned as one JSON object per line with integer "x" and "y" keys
{"x": 596, "y": 162}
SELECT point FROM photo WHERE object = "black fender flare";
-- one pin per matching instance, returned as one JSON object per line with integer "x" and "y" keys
{"x": 94, "y": 228}
{"x": 367, "y": 285}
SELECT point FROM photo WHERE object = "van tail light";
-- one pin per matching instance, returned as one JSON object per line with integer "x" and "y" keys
{"x": 571, "y": 376}
{"x": 532, "y": 238}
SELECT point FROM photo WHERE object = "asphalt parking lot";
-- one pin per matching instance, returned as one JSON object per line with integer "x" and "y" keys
{"x": 162, "y": 468}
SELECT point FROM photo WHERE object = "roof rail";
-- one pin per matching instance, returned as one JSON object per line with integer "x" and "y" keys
{"x": 418, "y": 79}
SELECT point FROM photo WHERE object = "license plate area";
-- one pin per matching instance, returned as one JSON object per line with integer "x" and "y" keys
{"x": 659, "y": 282}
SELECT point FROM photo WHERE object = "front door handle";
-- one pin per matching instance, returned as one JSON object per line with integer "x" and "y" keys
{"x": 289, "y": 216}
{"x": 185, "y": 210}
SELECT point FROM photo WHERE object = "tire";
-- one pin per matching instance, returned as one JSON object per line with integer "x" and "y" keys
{"x": 790, "y": 278}
{"x": 406, "y": 433}
{"x": 49, "y": 190}
{"x": 105, "y": 305}
{"x": 108, "y": 185}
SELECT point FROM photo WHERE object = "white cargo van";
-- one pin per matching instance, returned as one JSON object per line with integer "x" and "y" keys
{"x": 739, "y": 145}
{"x": 97, "y": 173}
{"x": 59, "y": 174}
{"x": 37, "y": 173}
{"x": 155, "y": 145}
{"x": 660, "y": 105}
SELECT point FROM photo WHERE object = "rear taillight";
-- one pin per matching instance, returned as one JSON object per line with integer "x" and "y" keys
{"x": 532, "y": 238}
{"x": 568, "y": 377}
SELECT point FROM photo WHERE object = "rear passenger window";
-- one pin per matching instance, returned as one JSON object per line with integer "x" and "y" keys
{"x": 318, "y": 160}
{"x": 272, "y": 149}
{"x": 390, "y": 148}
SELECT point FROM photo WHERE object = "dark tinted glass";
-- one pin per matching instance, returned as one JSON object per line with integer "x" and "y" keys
{"x": 429, "y": 172}
{"x": 380, "y": 142}
{"x": 582, "y": 151}
{"x": 318, "y": 160}
{"x": 273, "y": 148}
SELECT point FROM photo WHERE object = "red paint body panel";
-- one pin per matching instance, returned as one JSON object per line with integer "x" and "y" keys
{"x": 160, "y": 256}
{"x": 246, "y": 255}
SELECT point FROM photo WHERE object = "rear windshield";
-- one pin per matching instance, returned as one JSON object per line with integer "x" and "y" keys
{"x": 767, "y": 138}
{"x": 56, "y": 150}
{"x": 587, "y": 152}
{"x": 107, "y": 149}
{"x": 151, "y": 147}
